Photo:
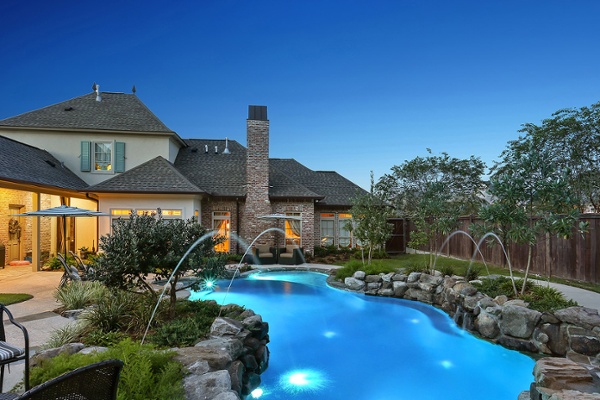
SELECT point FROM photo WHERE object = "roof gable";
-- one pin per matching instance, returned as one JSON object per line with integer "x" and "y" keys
{"x": 334, "y": 188}
{"x": 155, "y": 176}
{"x": 116, "y": 112}
{"x": 22, "y": 163}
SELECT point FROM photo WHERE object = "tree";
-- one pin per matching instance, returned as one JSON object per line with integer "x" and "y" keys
{"x": 369, "y": 223}
{"x": 570, "y": 139}
{"x": 148, "y": 244}
{"x": 531, "y": 195}
{"x": 433, "y": 192}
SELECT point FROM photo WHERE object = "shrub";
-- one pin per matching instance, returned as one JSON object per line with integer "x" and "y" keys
{"x": 148, "y": 374}
{"x": 104, "y": 339}
{"x": 546, "y": 299}
{"x": 69, "y": 333}
{"x": 112, "y": 311}
{"x": 472, "y": 273}
{"x": 447, "y": 270}
{"x": 55, "y": 264}
{"x": 496, "y": 287}
{"x": 77, "y": 294}
{"x": 194, "y": 321}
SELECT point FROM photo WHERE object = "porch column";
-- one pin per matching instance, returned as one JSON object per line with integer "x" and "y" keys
{"x": 35, "y": 235}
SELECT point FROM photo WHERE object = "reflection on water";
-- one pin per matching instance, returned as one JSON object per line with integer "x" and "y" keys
{"x": 331, "y": 344}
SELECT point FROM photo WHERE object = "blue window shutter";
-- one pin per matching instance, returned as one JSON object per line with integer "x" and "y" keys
{"x": 86, "y": 161}
{"x": 120, "y": 157}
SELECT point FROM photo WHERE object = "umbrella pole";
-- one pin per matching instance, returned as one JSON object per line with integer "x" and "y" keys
{"x": 65, "y": 235}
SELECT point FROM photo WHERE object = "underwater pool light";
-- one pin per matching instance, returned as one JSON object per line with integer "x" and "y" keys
{"x": 446, "y": 364}
{"x": 304, "y": 380}
{"x": 329, "y": 334}
{"x": 209, "y": 284}
{"x": 256, "y": 393}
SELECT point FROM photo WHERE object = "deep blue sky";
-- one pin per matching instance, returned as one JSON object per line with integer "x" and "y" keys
{"x": 351, "y": 86}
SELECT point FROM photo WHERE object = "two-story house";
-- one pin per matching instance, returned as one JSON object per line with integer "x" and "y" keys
{"x": 126, "y": 160}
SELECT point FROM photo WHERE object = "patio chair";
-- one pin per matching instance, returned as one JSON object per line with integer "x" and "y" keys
{"x": 97, "y": 381}
{"x": 70, "y": 273}
{"x": 88, "y": 272}
{"x": 263, "y": 254}
{"x": 10, "y": 353}
{"x": 291, "y": 255}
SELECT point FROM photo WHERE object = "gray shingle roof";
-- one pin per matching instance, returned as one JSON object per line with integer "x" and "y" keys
{"x": 155, "y": 176}
{"x": 21, "y": 163}
{"x": 335, "y": 189}
{"x": 225, "y": 174}
{"x": 116, "y": 112}
{"x": 217, "y": 173}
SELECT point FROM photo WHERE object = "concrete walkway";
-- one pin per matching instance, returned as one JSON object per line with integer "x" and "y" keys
{"x": 40, "y": 321}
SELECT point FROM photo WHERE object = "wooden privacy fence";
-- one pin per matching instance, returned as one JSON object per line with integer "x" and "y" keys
{"x": 574, "y": 258}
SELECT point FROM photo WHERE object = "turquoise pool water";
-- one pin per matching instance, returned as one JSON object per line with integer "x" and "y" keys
{"x": 331, "y": 344}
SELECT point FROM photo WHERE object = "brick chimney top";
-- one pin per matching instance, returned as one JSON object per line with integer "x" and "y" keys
{"x": 257, "y": 113}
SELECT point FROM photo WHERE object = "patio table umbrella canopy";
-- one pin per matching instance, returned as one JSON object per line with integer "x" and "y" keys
{"x": 63, "y": 212}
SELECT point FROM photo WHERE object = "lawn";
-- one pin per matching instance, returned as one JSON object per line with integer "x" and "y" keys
{"x": 12, "y": 298}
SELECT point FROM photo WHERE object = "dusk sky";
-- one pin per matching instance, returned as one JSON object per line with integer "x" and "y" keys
{"x": 350, "y": 86}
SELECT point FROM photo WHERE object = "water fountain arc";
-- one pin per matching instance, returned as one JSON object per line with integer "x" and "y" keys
{"x": 204, "y": 237}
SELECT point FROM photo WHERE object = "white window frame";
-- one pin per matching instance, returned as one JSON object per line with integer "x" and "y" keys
{"x": 327, "y": 240}
{"x": 341, "y": 221}
{"x": 110, "y": 164}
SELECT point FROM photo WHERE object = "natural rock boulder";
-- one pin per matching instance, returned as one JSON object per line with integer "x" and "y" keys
{"x": 354, "y": 284}
{"x": 582, "y": 316}
{"x": 487, "y": 325}
{"x": 561, "y": 374}
{"x": 518, "y": 321}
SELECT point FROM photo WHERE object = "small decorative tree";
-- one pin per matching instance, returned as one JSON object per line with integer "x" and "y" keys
{"x": 433, "y": 192}
{"x": 147, "y": 244}
{"x": 369, "y": 222}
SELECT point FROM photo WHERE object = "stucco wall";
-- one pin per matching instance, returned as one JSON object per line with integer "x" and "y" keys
{"x": 66, "y": 147}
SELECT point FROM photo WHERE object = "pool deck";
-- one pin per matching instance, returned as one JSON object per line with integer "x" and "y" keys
{"x": 38, "y": 317}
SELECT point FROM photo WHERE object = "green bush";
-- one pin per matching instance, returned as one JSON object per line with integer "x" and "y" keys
{"x": 69, "y": 333}
{"x": 113, "y": 311}
{"x": 546, "y": 299}
{"x": 104, "y": 339}
{"x": 447, "y": 270}
{"x": 194, "y": 319}
{"x": 148, "y": 374}
{"x": 55, "y": 264}
{"x": 177, "y": 333}
{"x": 472, "y": 273}
{"x": 496, "y": 287}
{"x": 77, "y": 294}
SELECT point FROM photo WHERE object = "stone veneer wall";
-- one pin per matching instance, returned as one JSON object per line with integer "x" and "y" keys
{"x": 573, "y": 333}
{"x": 18, "y": 197}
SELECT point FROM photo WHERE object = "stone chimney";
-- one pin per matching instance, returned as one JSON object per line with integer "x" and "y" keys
{"x": 257, "y": 171}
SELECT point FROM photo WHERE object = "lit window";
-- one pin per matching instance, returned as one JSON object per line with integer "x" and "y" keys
{"x": 293, "y": 229}
{"x": 344, "y": 234}
{"x": 102, "y": 156}
{"x": 327, "y": 229}
{"x": 221, "y": 224}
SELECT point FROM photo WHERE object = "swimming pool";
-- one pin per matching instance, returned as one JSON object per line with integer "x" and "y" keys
{"x": 331, "y": 344}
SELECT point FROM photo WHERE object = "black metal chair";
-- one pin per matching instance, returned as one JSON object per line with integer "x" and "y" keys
{"x": 70, "y": 273}
{"x": 10, "y": 353}
{"x": 97, "y": 381}
{"x": 88, "y": 272}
